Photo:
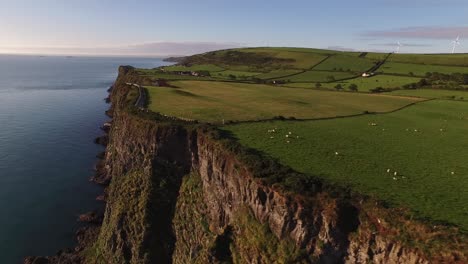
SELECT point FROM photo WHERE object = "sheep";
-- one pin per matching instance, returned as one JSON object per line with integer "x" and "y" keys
{"x": 388, "y": 170}
{"x": 290, "y": 133}
{"x": 453, "y": 173}
{"x": 394, "y": 178}
{"x": 287, "y": 141}
{"x": 287, "y": 136}
{"x": 336, "y": 153}
{"x": 395, "y": 173}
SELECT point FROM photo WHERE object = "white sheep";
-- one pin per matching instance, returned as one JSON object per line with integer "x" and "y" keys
{"x": 394, "y": 178}
{"x": 395, "y": 173}
{"x": 388, "y": 170}
{"x": 453, "y": 173}
{"x": 336, "y": 153}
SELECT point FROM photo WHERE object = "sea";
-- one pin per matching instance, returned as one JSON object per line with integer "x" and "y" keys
{"x": 51, "y": 108}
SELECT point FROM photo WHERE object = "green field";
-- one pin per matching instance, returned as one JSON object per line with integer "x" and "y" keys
{"x": 345, "y": 63}
{"x": 364, "y": 84}
{"x": 419, "y": 69}
{"x": 434, "y": 94}
{"x": 215, "y": 101}
{"x": 278, "y": 74}
{"x": 318, "y": 76}
{"x": 435, "y": 59}
{"x": 303, "y": 60}
{"x": 237, "y": 74}
{"x": 425, "y": 144}
{"x": 203, "y": 67}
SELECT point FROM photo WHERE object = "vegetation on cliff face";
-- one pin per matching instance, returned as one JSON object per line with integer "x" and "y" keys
{"x": 194, "y": 240}
{"x": 253, "y": 242}
{"x": 125, "y": 229}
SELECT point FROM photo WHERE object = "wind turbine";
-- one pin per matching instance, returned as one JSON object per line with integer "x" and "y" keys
{"x": 399, "y": 45}
{"x": 455, "y": 43}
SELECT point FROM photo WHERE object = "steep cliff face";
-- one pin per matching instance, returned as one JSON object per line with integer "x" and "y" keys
{"x": 178, "y": 195}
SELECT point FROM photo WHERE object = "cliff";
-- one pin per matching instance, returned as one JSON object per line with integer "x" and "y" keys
{"x": 181, "y": 193}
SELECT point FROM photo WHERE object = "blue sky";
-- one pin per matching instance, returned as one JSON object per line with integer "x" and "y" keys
{"x": 172, "y": 27}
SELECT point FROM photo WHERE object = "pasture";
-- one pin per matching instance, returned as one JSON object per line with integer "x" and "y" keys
{"x": 434, "y": 94}
{"x": 201, "y": 67}
{"x": 345, "y": 63}
{"x": 419, "y": 69}
{"x": 302, "y": 60}
{"x": 364, "y": 84}
{"x": 434, "y": 59}
{"x": 237, "y": 74}
{"x": 277, "y": 74}
{"x": 415, "y": 157}
{"x": 217, "y": 101}
{"x": 318, "y": 76}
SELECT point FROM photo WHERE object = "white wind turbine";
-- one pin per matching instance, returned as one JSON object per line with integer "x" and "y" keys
{"x": 455, "y": 43}
{"x": 399, "y": 45}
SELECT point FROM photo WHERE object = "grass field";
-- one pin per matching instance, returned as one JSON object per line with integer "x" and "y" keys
{"x": 238, "y": 74}
{"x": 202, "y": 67}
{"x": 303, "y": 60}
{"x": 434, "y": 93}
{"x": 419, "y": 69}
{"x": 277, "y": 74}
{"x": 425, "y": 144}
{"x": 384, "y": 81}
{"x": 435, "y": 59}
{"x": 215, "y": 101}
{"x": 364, "y": 84}
{"x": 345, "y": 63}
{"x": 318, "y": 76}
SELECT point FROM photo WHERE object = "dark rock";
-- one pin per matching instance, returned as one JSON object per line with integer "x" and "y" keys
{"x": 101, "y": 155}
{"x": 36, "y": 260}
{"x": 102, "y": 140}
{"x": 90, "y": 217}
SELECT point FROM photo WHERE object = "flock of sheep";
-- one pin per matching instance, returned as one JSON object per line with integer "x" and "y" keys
{"x": 289, "y": 136}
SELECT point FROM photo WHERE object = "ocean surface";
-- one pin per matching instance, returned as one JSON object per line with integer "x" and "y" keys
{"x": 51, "y": 109}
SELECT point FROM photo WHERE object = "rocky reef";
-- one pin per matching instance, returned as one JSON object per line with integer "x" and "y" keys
{"x": 179, "y": 193}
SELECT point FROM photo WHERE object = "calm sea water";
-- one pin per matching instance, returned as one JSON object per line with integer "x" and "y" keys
{"x": 50, "y": 112}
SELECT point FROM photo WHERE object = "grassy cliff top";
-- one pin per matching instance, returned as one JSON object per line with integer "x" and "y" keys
{"x": 420, "y": 143}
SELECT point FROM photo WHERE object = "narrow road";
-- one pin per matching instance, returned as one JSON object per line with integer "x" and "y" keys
{"x": 141, "y": 101}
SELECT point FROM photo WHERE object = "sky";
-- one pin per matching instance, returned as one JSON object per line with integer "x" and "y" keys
{"x": 181, "y": 27}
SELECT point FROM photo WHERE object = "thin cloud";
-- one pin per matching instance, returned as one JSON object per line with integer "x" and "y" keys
{"x": 403, "y": 44}
{"x": 340, "y": 48}
{"x": 420, "y": 32}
